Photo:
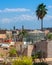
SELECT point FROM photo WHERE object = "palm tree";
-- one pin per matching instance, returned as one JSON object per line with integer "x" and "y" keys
{"x": 41, "y": 12}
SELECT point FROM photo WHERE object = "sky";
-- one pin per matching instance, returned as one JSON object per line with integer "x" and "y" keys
{"x": 23, "y": 12}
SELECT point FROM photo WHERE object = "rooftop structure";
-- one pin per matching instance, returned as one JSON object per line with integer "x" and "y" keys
{"x": 34, "y": 36}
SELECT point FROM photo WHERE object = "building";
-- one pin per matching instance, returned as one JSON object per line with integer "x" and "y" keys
{"x": 2, "y": 35}
{"x": 49, "y": 29}
{"x": 9, "y": 34}
{"x": 34, "y": 36}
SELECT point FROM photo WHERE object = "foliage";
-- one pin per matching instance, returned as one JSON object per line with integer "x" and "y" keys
{"x": 22, "y": 61}
{"x": 1, "y": 55}
{"x": 49, "y": 36}
{"x": 12, "y": 52}
{"x": 39, "y": 55}
{"x": 34, "y": 56}
{"x": 40, "y": 63}
{"x": 41, "y": 12}
{"x": 22, "y": 34}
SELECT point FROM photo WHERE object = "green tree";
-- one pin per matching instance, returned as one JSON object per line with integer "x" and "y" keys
{"x": 41, "y": 12}
{"x": 12, "y": 52}
{"x": 49, "y": 36}
{"x": 23, "y": 33}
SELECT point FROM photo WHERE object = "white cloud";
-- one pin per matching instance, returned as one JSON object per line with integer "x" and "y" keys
{"x": 25, "y": 17}
{"x": 0, "y": 10}
{"x": 22, "y": 17}
{"x": 5, "y": 20}
{"x": 50, "y": 6}
{"x": 48, "y": 18}
{"x": 15, "y": 10}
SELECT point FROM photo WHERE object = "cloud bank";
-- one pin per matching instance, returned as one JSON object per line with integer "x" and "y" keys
{"x": 22, "y": 17}
{"x": 15, "y": 10}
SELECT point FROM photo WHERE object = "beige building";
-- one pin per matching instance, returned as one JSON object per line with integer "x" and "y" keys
{"x": 2, "y": 35}
{"x": 9, "y": 34}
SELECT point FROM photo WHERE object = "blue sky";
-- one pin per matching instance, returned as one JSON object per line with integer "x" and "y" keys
{"x": 22, "y": 12}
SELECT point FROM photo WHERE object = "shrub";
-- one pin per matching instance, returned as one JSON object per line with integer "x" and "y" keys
{"x": 40, "y": 63}
{"x": 12, "y": 52}
{"x": 39, "y": 55}
{"x": 34, "y": 56}
{"x": 22, "y": 61}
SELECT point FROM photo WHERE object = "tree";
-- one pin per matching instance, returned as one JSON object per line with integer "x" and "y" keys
{"x": 23, "y": 33}
{"x": 41, "y": 12}
{"x": 49, "y": 36}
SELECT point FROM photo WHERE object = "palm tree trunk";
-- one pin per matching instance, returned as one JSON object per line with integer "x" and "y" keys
{"x": 41, "y": 24}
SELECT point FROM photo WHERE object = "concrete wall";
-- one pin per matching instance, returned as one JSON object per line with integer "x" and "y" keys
{"x": 29, "y": 50}
{"x": 45, "y": 46}
{"x": 49, "y": 49}
{"x": 33, "y": 48}
{"x": 42, "y": 45}
{"x": 36, "y": 47}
